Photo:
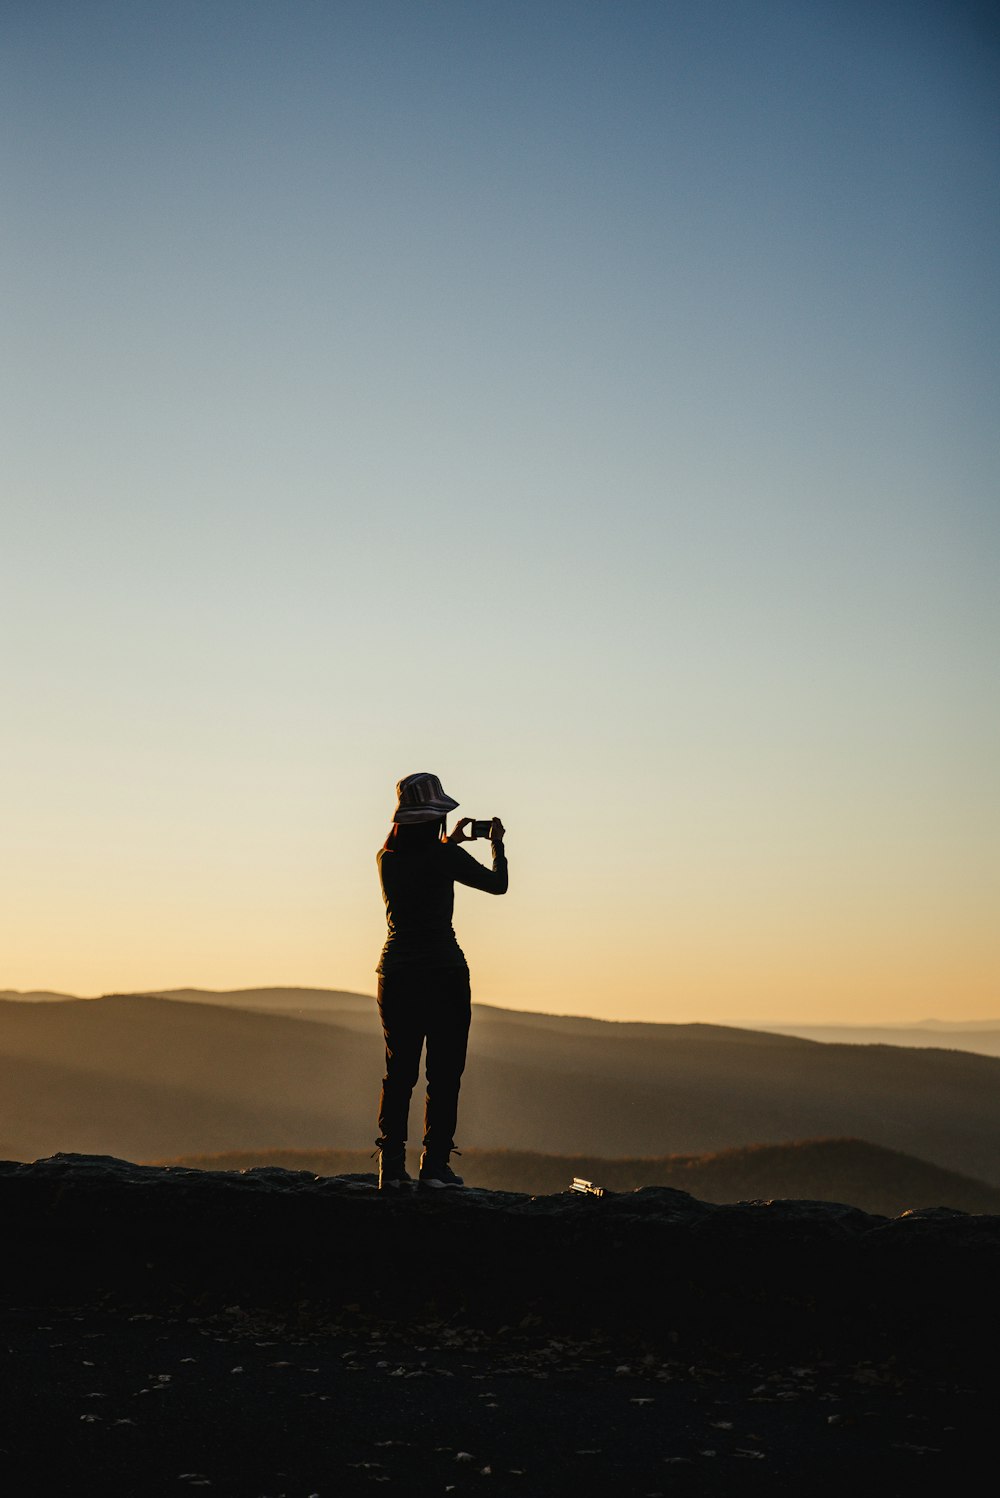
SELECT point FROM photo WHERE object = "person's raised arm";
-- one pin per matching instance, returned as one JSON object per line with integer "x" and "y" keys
{"x": 468, "y": 870}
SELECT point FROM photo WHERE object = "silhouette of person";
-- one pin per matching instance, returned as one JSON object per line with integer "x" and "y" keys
{"x": 423, "y": 978}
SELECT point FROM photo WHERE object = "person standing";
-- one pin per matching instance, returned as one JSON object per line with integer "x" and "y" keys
{"x": 424, "y": 996}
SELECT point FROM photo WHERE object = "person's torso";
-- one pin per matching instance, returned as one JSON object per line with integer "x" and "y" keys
{"x": 419, "y": 893}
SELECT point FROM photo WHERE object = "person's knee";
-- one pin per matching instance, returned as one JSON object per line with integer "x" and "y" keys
{"x": 445, "y": 1071}
{"x": 446, "y": 1055}
{"x": 400, "y": 1073}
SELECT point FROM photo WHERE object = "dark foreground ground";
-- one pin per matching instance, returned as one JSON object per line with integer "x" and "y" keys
{"x": 278, "y": 1335}
{"x": 106, "y": 1400}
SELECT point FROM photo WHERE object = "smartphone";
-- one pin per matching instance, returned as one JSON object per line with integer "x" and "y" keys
{"x": 479, "y": 829}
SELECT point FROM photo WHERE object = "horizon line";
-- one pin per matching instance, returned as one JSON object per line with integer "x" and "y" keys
{"x": 41, "y": 994}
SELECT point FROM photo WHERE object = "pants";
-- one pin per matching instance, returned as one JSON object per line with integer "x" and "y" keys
{"x": 432, "y": 1005}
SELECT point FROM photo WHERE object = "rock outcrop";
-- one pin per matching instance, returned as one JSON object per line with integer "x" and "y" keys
{"x": 657, "y": 1264}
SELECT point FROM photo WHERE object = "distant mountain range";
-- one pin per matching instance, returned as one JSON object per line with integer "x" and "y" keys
{"x": 152, "y": 1077}
{"x": 979, "y": 1036}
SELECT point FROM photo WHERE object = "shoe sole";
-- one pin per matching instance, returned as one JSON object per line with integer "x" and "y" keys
{"x": 444, "y": 1185}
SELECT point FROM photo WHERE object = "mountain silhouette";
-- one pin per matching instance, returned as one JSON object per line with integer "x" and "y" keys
{"x": 152, "y": 1077}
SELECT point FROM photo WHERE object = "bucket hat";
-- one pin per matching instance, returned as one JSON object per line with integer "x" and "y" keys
{"x": 421, "y": 798}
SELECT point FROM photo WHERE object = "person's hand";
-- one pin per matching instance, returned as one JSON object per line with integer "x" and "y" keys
{"x": 496, "y": 831}
{"x": 457, "y": 833}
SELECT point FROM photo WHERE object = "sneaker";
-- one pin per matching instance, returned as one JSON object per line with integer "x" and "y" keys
{"x": 392, "y": 1167}
{"x": 435, "y": 1171}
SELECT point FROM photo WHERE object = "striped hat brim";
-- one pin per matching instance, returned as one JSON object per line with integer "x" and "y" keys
{"x": 421, "y": 798}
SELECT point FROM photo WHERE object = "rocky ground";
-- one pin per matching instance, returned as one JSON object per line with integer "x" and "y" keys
{"x": 150, "y": 1346}
{"x": 104, "y": 1399}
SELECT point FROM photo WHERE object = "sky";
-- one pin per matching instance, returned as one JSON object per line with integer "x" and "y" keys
{"x": 591, "y": 403}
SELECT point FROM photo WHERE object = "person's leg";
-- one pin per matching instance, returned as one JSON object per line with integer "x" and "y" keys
{"x": 449, "y": 1011}
{"x": 400, "y": 1009}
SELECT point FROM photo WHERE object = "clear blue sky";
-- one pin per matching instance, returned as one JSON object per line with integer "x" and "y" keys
{"x": 592, "y": 403}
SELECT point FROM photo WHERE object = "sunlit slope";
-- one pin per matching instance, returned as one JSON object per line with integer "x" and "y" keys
{"x": 983, "y": 1038}
{"x": 149, "y": 1077}
{"x": 301, "y": 1001}
{"x": 34, "y": 996}
{"x": 710, "y": 1092}
{"x": 45, "y": 1104}
{"x": 122, "y": 1075}
{"x": 846, "y": 1170}
{"x": 344, "y": 1007}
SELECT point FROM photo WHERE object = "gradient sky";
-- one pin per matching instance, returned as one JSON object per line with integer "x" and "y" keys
{"x": 592, "y": 403}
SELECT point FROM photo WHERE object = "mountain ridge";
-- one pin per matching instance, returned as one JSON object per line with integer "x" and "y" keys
{"x": 290, "y": 997}
{"x": 149, "y": 1077}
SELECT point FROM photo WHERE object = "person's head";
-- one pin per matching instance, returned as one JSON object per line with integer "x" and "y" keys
{"x": 412, "y": 837}
{"x": 422, "y": 806}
